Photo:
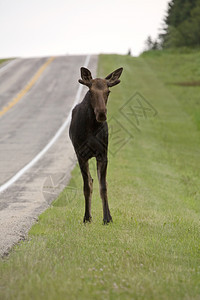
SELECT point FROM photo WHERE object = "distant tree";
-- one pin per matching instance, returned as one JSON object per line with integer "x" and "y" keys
{"x": 129, "y": 52}
{"x": 151, "y": 44}
{"x": 156, "y": 45}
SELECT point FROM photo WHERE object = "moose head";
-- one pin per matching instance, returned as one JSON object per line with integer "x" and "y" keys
{"x": 99, "y": 90}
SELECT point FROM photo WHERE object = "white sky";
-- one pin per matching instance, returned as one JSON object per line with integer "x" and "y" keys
{"x": 58, "y": 27}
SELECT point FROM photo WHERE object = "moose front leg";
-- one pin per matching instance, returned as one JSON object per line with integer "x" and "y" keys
{"x": 87, "y": 189}
{"x": 101, "y": 171}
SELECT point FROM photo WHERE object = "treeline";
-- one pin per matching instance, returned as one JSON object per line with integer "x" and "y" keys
{"x": 181, "y": 26}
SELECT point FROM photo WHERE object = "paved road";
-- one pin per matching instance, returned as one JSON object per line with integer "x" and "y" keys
{"x": 28, "y": 121}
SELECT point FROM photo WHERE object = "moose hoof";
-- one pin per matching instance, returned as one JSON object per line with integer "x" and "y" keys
{"x": 87, "y": 219}
{"x": 107, "y": 221}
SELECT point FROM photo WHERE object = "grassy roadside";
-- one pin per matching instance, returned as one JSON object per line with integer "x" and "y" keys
{"x": 4, "y": 60}
{"x": 152, "y": 249}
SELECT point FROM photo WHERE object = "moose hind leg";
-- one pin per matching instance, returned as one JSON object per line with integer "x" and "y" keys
{"x": 87, "y": 189}
{"x": 101, "y": 171}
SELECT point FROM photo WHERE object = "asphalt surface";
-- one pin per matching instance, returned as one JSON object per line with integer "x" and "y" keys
{"x": 25, "y": 129}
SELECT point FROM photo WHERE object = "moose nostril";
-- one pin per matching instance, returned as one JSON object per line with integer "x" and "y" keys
{"x": 102, "y": 115}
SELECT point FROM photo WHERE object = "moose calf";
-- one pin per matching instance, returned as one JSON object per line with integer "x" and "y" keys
{"x": 89, "y": 135}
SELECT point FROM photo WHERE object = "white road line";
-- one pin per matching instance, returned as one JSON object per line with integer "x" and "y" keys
{"x": 8, "y": 65}
{"x": 48, "y": 146}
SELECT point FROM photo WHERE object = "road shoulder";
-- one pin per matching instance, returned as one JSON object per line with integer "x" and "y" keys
{"x": 25, "y": 200}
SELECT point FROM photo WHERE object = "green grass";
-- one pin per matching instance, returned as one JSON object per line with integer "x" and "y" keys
{"x": 152, "y": 249}
{"x": 4, "y": 60}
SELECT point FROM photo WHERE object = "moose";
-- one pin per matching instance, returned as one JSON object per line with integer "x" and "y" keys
{"x": 89, "y": 135}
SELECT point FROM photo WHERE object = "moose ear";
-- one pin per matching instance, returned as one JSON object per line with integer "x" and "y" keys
{"x": 86, "y": 77}
{"x": 113, "y": 78}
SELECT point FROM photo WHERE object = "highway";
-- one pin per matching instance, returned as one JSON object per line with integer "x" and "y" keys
{"x": 36, "y": 97}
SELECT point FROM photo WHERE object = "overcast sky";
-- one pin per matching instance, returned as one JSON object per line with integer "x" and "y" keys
{"x": 58, "y": 27}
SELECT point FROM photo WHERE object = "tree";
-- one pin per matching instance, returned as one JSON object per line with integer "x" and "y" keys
{"x": 151, "y": 44}
{"x": 182, "y": 24}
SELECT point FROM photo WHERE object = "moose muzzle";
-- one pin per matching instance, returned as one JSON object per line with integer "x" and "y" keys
{"x": 101, "y": 115}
